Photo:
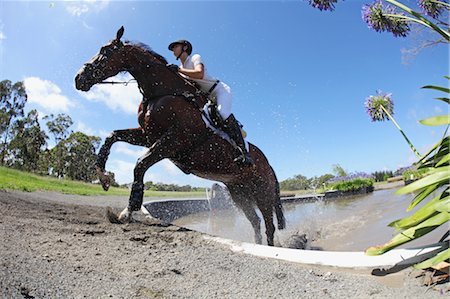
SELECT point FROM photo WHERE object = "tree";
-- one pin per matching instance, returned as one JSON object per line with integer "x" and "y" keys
{"x": 58, "y": 126}
{"x": 79, "y": 156}
{"x": 13, "y": 98}
{"x": 338, "y": 170}
{"x": 26, "y": 145}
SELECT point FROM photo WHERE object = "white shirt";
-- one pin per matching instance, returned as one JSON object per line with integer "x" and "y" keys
{"x": 193, "y": 60}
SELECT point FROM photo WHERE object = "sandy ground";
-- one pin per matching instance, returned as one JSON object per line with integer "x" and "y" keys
{"x": 62, "y": 246}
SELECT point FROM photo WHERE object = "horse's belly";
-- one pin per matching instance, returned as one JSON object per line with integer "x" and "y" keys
{"x": 224, "y": 178}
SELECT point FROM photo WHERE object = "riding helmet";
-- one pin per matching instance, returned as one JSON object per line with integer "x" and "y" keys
{"x": 184, "y": 43}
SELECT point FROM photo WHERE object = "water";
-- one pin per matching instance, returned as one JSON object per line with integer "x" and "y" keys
{"x": 343, "y": 224}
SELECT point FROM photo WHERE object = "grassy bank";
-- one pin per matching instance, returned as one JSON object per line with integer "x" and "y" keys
{"x": 11, "y": 179}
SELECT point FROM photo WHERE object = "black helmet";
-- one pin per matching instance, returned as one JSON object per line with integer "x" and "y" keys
{"x": 184, "y": 43}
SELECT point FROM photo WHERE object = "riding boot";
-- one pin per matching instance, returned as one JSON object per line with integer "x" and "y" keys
{"x": 232, "y": 128}
{"x": 136, "y": 196}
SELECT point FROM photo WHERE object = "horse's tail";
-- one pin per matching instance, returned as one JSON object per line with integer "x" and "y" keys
{"x": 278, "y": 207}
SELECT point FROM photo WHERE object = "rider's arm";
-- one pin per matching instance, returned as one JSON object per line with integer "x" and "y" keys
{"x": 197, "y": 73}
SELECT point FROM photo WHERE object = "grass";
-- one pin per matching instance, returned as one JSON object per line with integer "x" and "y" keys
{"x": 11, "y": 179}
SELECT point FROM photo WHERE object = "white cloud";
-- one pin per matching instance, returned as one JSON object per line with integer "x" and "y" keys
{"x": 123, "y": 171}
{"x": 117, "y": 97}
{"x": 129, "y": 150}
{"x": 78, "y": 8}
{"x": 82, "y": 127}
{"x": 2, "y": 36}
{"x": 47, "y": 95}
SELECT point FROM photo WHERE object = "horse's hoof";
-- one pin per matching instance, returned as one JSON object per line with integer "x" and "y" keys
{"x": 125, "y": 216}
{"x": 112, "y": 217}
{"x": 105, "y": 180}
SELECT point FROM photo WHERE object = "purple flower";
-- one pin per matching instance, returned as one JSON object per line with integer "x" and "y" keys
{"x": 431, "y": 7}
{"x": 379, "y": 18}
{"x": 375, "y": 104}
{"x": 323, "y": 4}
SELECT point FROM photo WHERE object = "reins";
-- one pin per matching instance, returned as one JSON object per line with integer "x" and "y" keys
{"x": 125, "y": 83}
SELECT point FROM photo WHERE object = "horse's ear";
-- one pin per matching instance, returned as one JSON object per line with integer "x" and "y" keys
{"x": 120, "y": 33}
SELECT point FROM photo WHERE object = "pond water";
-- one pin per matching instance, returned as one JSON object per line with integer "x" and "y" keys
{"x": 342, "y": 224}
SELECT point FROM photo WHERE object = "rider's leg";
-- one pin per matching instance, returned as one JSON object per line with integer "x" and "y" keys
{"x": 233, "y": 129}
{"x": 222, "y": 93}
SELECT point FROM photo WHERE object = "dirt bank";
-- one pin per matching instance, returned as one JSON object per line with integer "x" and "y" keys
{"x": 61, "y": 246}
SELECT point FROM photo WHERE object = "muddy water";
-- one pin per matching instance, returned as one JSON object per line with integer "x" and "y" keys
{"x": 345, "y": 224}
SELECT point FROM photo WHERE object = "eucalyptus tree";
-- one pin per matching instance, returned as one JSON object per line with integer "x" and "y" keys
{"x": 79, "y": 153}
{"x": 27, "y": 143}
{"x": 13, "y": 98}
{"x": 58, "y": 126}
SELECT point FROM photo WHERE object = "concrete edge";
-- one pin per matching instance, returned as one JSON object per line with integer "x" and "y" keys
{"x": 344, "y": 259}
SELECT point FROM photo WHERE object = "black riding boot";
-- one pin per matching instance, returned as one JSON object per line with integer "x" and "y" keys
{"x": 232, "y": 128}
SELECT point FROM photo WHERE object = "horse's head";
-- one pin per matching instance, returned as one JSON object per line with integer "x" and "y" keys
{"x": 107, "y": 63}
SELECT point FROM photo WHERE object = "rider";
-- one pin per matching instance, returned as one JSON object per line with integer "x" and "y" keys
{"x": 192, "y": 66}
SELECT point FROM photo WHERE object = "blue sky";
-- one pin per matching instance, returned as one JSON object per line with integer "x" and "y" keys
{"x": 299, "y": 76}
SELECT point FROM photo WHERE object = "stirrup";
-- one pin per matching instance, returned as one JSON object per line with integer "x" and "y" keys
{"x": 244, "y": 159}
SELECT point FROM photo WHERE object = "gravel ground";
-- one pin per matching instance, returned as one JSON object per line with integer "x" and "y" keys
{"x": 62, "y": 246}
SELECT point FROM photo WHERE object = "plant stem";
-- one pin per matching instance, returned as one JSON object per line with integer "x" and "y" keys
{"x": 426, "y": 22}
{"x": 401, "y": 131}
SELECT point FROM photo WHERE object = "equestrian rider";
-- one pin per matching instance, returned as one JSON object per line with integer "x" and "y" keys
{"x": 193, "y": 67}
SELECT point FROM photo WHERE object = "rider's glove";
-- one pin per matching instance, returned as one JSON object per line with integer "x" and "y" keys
{"x": 173, "y": 67}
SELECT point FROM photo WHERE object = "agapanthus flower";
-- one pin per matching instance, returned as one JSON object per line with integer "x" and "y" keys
{"x": 380, "y": 18}
{"x": 375, "y": 104}
{"x": 431, "y": 8}
{"x": 323, "y": 4}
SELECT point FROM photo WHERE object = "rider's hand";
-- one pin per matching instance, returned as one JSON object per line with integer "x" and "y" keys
{"x": 173, "y": 67}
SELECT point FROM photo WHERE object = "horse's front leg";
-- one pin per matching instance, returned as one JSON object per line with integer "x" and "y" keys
{"x": 132, "y": 136}
{"x": 164, "y": 147}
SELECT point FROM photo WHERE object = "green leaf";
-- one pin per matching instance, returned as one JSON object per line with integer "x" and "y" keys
{"x": 447, "y": 100}
{"x": 420, "y": 215}
{"x": 441, "y": 174}
{"x": 440, "y": 257}
{"x": 442, "y": 143}
{"x": 411, "y": 234}
{"x": 440, "y": 88}
{"x": 419, "y": 197}
{"x": 443, "y": 206}
{"x": 444, "y": 159}
{"x": 436, "y": 120}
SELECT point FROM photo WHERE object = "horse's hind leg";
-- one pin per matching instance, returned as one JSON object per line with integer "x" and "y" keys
{"x": 248, "y": 208}
{"x": 267, "y": 213}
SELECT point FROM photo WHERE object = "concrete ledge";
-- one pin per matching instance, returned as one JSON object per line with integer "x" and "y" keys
{"x": 325, "y": 258}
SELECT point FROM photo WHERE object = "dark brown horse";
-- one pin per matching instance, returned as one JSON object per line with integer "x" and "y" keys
{"x": 172, "y": 127}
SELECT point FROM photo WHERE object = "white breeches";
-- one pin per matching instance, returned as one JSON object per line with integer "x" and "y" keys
{"x": 222, "y": 95}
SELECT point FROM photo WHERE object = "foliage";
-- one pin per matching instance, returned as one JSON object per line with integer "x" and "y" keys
{"x": 352, "y": 185}
{"x": 352, "y": 182}
{"x": 300, "y": 182}
{"x": 170, "y": 187}
{"x": 381, "y": 176}
{"x": 26, "y": 145}
{"x": 397, "y": 18}
{"x": 413, "y": 173}
{"x": 339, "y": 171}
{"x": 12, "y": 179}
{"x": 80, "y": 157}
{"x": 59, "y": 127}
{"x": 436, "y": 212}
{"x": 13, "y": 98}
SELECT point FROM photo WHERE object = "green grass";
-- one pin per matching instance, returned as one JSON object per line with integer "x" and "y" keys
{"x": 11, "y": 179}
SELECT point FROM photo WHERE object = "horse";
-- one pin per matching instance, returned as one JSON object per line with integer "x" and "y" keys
{"x": 171, "y": 127}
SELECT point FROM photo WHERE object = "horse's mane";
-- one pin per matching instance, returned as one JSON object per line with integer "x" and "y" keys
{"x": 148, "y": 49}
